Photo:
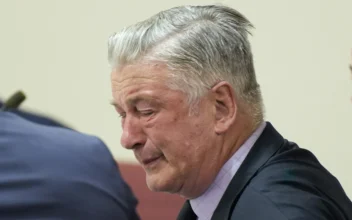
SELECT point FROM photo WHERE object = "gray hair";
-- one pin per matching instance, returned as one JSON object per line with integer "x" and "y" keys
{"x": 201, "y": 45}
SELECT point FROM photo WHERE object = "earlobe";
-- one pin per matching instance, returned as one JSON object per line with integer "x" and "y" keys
{"x": 225, "y": 106}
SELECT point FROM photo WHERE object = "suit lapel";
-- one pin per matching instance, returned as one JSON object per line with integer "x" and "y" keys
{"x": 186, "y": 212}
{"x": 265, "y": 147}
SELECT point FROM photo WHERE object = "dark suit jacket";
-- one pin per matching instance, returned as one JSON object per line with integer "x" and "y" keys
{"x": 52, "y": 173}
{"x": 280, "y": 181}
{"x": 37, "y": 118}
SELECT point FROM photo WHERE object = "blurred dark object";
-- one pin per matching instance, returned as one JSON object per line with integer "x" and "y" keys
{"x": 12, "y": 105}
{"x": 14, "y": 101}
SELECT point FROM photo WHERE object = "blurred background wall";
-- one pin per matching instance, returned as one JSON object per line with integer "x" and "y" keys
{"x": 55, "y": 51}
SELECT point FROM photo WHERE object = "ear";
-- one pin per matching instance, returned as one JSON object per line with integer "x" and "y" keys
{"x": 225, "y": 106}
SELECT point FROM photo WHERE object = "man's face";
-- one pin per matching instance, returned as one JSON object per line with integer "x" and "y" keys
{"x": 173, "y": 145}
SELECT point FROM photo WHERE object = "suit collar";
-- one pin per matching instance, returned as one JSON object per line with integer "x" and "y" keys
{"x": 205, "y": 204}
{"x": 186, "y": 212}
{"x": 265, "y": 147}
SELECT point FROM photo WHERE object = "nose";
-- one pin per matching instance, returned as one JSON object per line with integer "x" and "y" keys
{"x": 132, "y": 133}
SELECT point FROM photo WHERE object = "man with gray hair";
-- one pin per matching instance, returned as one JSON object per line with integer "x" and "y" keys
{"x": 184, "y": 84}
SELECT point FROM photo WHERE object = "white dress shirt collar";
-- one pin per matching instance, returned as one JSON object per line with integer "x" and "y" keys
{"x": 205, "y": 205}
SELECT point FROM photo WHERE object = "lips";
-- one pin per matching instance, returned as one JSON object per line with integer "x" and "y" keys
{"x": 150, "y": 160}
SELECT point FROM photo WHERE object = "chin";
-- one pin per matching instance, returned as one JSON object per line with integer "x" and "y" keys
{"x": 160, "y": 183}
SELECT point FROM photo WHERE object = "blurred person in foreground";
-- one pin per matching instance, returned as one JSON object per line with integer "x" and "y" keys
{"x": 50, "y": 172}
{"x": 184, "y": 84}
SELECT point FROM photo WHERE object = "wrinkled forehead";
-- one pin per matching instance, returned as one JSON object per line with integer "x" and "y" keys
{"x": 142, "y": 80}
{"x": 140, "y": 72}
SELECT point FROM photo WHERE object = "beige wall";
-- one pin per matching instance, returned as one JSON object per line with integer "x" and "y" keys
{"x": 56, "y": 52}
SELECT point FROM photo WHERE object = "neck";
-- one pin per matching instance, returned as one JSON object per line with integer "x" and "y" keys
{"x": 227, "y": 146}
{"x": 241, "y": 130}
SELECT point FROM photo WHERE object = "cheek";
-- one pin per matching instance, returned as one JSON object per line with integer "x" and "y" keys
{"x": 181, "y": 138}
{"x": 172, "y": 139}
{"x": 179, "y": 144}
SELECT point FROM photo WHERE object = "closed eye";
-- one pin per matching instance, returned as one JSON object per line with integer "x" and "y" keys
{"x": 146, "y": 112}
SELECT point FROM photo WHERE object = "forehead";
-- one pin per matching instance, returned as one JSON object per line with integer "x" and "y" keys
{"x": 139, "y": 73}
{"x": 139, "y": 82}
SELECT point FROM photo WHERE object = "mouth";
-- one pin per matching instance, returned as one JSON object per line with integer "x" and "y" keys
{"x": 151, "y": 161}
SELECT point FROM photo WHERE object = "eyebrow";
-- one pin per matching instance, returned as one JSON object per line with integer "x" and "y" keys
{"x": 135, "y": 99}
{"x": 113, "y": 103}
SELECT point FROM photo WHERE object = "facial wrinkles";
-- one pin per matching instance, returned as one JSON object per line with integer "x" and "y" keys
{"x": 141, "y": 72}
{"x": 152, "y": 148}
{"x": 203, "y": 162}
{"x": 123, "y": 90}
{"x": 181, "y": 118}
{"x": 125, "y": 85}
{"x": 146, "y": 152}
